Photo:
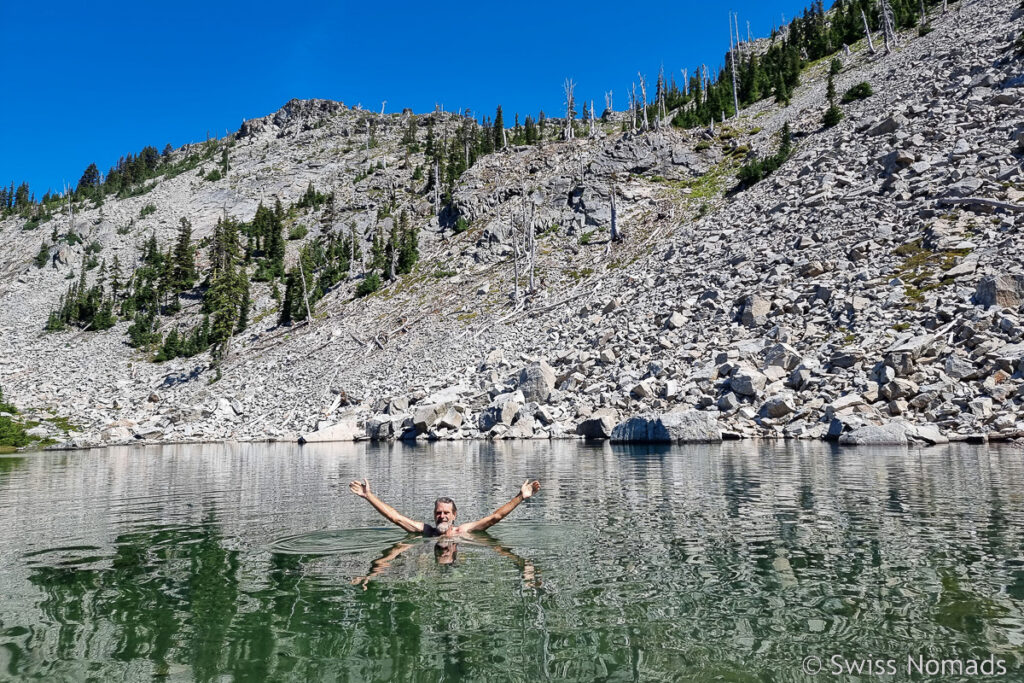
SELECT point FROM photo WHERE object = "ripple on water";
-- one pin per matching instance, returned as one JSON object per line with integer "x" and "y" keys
{"x": 336, "y": 541}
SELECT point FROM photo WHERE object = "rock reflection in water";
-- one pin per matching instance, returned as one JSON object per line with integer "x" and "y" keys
{"x": 732, "y": 562}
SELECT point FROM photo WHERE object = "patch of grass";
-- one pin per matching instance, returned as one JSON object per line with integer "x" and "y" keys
{"x": 297, "y": 232}
{"x": 147, "y": 210}
{"x": 438, "y": 274}
{"x": 703, "y": 145}
{"x": 901, "y": 327}
{"x": 586, "y": 237}
{"x": 579, "y": 274}
{"x": 65, "y": 425}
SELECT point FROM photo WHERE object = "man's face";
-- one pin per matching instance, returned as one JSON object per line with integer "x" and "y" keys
{"x": 444, "y": 516}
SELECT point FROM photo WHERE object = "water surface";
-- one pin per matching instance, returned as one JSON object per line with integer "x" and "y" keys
{"x": 730, "y": 563}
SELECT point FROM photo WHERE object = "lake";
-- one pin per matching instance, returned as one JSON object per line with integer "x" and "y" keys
{"x": 739, "y": 562}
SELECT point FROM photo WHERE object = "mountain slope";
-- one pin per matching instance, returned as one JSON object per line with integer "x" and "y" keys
{"x": 848, "y": 288}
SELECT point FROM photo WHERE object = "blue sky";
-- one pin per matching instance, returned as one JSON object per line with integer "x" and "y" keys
{"x": 89, "y": 82}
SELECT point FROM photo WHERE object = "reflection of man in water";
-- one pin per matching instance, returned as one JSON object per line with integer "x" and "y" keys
{"x": 444, "y": 512}
{"x": 446, "y": 551}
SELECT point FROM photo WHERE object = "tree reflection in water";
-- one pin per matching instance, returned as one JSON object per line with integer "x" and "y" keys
{"x": 636, "y": 564}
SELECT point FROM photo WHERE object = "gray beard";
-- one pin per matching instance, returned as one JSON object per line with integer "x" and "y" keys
{"x": 443, "y": 527}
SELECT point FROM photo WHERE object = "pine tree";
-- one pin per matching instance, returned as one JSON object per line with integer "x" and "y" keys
{"x": 183, "y": 268}
{"x": 499, "y": 130}
{"x": 833, "y": 114}
{"x": 43, "y": 256}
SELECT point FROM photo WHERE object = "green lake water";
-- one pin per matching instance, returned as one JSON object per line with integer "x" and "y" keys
{"x": 742, "y": 562}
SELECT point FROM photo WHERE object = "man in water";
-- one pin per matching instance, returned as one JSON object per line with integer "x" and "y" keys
{"x": 444, "y": 512}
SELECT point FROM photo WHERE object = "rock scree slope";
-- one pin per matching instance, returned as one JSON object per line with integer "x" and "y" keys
{"x": 870, "y": 291}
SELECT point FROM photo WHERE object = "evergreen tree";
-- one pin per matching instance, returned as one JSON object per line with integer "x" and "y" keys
{"x": 408, "y": 251}
{"x": 833, "y": 114}
{"x": 43, "y": 256}
{"x": 499, "y": 129}
{"x": 183, "y": 269}
{"x": 90, "y": 179}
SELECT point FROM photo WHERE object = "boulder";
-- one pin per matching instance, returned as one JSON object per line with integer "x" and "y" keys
{"x": 387, "y": 427}
{"x": 747, "y": 382}
{"x": 502, "y": 411}
{"x": 1003, "y": 291}
{"x": 778, "y": 406}
{"x": 692, "y": 426}
{"x": 755, "y": 311}
{"x": 888, "y": 126}
{"x": 598, "y": 426}
{"x": 346, "y": 430}
{"x": 890, "y": 434}
{"x": 426, "y": 415}
{"x": 536, "y": 382}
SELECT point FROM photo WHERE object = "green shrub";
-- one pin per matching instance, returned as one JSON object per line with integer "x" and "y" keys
{"x": 835, "y": 67}
{"x": 94, "y": 247}
{"x": 43, "y": 256}
{"x": 297, "y": 232}
{"x": 703, "y": 145}
{"x": 369, "y": 285}
{"x": 585, "y": 237}
{"x": 833, "y": 115}
{"x": 461, "y": 225}
{"x": 214, "y": 175}
{"x": 6, "y": 407}
{"x": 147, "y": 210}
{"x": 12, "y": 433}
{"x": 759, "y": 169}
{"x": 861, "y": 91}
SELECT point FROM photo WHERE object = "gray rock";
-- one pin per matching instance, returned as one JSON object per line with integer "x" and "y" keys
{"x": 778, "y": 406}
{"x": 755, "y": 311}
{"x": 1003, "y": 291}
{"x": 502, "y": 411}
{"x": 536, "y": 382}
{"x": 891, "y": 434}
{"x": 685, "y": 427}
{"x": 747, "y": 382}
{"x": 598, "y": 426}
{"x": 889, "y": 125}
{"x": 346, "y": 430}
{"x": 424, "y": 416}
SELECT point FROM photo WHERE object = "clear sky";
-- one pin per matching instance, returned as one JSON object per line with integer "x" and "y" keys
{"x": 91, "y": 81}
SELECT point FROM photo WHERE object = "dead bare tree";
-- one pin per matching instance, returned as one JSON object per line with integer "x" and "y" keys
{"x": 686, "y": 84}
{"x": 632, "y": 107}
{"x": 867, "y": 32}
{"x": 570, "y": 107}
{"x": 608, "y": 102}
{"x": 591, "y": 118}
{"x": 732, "y": 61}
{"x": 888, "y": 26}
{"x": 382, "y": 105}
{"x": 616, "y": 236}
{"x": 643, "y": 94}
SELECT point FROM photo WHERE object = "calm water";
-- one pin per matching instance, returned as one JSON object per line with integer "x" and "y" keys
{"x": 730, "y": 563}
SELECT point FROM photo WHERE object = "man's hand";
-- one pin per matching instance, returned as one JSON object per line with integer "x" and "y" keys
{"x": 360, "y": 488}
{"x": 529, "y": 488}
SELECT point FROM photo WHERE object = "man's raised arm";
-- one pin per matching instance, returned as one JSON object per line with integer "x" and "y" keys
{"x": 362, "y": 489}
{"x": 527, "y": 490}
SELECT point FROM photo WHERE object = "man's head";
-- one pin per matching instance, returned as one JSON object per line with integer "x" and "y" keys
{"x": 444, "y": 513}
{"x": 446, "y": 551}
